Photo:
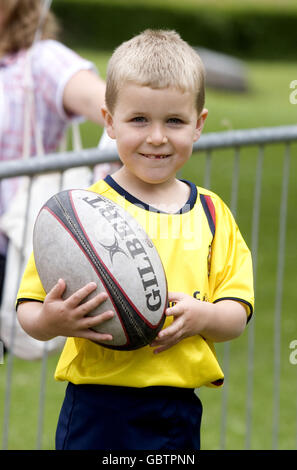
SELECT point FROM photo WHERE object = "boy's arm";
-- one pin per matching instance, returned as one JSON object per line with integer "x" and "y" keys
{"x": 217, "y": 322}
{"x": 59, "y": 317}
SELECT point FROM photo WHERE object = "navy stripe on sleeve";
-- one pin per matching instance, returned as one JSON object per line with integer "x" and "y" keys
{"x": 209, "y": 210}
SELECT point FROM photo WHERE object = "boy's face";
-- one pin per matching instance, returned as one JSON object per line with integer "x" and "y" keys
{"x": 155, "y": 130}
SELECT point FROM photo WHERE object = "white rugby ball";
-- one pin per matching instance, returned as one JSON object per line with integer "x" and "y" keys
{"x": 81, "y": 236}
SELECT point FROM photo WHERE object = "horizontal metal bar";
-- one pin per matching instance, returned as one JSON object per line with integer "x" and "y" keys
{"x": 238, "y": 138}
{"x": 55, "y": 162}
{"x": 90, "y": 157}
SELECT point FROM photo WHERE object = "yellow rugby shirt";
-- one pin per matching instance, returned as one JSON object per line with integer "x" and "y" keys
{"x": 204, "y": 255}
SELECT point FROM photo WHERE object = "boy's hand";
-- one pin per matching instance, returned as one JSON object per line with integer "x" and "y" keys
{"x": 217, "y": 322}
{"x": 186, "y": 321}
{"x": 68, "y": 317}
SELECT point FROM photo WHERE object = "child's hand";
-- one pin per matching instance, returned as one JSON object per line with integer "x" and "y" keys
{"x": 187, "y": 320}
{"x": 217, "y": 322}
{"x": 59, "y": 317}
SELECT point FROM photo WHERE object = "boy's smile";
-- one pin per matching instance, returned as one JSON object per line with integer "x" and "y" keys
{"x": 155, "y": 130}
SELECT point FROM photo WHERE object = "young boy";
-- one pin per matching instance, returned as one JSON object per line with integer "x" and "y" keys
{"x": 145, "y": 399}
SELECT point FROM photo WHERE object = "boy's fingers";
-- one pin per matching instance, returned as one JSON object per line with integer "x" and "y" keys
{"x": 92, "y": 321}
{"x": 57, "y": 291}
{"x": 91, "y": 304}
{"x": 170, "y": 332}
{"x": 160, "y": 346}
{"x": 175, "y": 296}
{"x": 174, "y": 310}
{"x": 75, "y": 299}
{"x": 96, "y": 337}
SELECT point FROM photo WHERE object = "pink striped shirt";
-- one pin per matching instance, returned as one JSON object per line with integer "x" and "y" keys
{"x": 53, "y": 64}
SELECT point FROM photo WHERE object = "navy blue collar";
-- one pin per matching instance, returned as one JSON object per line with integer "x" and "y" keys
{"x": 186, "y": 208}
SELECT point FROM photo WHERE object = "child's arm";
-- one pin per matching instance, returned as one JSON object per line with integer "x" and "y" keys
{"x": 59, "y": 317}
{"x": 217, "y": 322}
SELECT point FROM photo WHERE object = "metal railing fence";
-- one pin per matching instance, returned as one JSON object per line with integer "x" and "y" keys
{"x": 213, "y": 148}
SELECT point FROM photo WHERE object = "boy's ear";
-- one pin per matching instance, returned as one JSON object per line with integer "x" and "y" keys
{"x": 200, "y": 124}
{"x": 108, "y": 119}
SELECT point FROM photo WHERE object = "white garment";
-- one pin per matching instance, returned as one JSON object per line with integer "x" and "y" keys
{"x": 53, "y": 64}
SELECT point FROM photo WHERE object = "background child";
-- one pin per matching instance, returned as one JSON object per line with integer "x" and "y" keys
{"x": 64, "y": 86}
{"x": 145, "y": 399}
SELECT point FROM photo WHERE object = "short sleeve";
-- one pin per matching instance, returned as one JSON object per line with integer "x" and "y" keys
{"x": 53, "y": 65}
{"x": 31, "y": 287}
{"x": 231, "y": 271}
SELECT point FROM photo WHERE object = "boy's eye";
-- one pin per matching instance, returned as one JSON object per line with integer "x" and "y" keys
{"x": 139, "y": 119}
{"x": 174, "y": 121}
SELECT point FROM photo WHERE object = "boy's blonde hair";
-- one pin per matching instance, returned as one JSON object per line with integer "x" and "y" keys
{"x": 21, "y": 19}
{"x": 158, "y": 59}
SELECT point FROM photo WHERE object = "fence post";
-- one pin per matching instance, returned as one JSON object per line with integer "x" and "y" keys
{"x": 279, "y": 293}
{"x": 251, "y": 329}
{"x": 227, "y": 345}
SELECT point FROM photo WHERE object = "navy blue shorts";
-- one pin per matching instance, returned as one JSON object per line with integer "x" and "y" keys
{"x": 102, "y": 417}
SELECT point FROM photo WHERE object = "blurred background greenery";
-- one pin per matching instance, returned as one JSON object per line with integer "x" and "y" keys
{"x": 263, "y": 29}
{"x": 262, "y": 34}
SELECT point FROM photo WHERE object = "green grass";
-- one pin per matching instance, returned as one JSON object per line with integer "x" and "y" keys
{"x": 25, "y": 403}
{"x": 266, "y": 104}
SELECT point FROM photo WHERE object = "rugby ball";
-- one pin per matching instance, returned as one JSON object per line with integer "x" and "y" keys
{"x": 81, "y": 236}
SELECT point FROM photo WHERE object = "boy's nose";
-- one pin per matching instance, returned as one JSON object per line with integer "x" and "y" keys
{"x": 156, "y": 136}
